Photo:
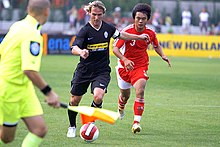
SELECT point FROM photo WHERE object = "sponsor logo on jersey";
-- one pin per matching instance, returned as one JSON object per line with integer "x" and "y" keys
{"x": 90, "y": 38}
{"x": 35, "y": 48}
{"x": 98, "y": 46}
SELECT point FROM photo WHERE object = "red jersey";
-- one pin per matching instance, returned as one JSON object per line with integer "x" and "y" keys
{"x": 136, "y": 50}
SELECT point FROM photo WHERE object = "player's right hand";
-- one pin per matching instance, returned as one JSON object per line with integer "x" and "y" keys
{"x": 84, "y": 53}
{"x": 129, "y": 65}
{"x": 52, "y": 99}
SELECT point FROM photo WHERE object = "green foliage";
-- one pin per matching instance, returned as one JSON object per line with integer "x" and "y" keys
{"x": 126, "y": 5}
{"x": 194, "y": 18}
{"x": 215, "y": 18}
{"x": 182, "y": 105}
{"x": 177, "y": 14}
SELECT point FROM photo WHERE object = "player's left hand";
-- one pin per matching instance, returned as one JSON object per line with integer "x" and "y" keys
{"x": 167, "y": 60}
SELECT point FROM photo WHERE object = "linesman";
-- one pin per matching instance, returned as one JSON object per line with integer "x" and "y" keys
{"x": 21, "y": 52}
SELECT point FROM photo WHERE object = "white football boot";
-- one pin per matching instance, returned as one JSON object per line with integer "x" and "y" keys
{"x": 71, "y": 132}
{"x": 136, "y": 128}
{"x": 121, "y": 114}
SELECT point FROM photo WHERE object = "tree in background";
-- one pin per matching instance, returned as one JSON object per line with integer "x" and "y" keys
{"x": 177, "y": 14}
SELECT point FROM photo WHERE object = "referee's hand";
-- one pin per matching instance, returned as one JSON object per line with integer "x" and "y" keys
{"x": 52, "y": 99}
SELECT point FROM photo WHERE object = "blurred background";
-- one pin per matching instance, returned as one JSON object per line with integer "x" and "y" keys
{"x": 68, "y": 16}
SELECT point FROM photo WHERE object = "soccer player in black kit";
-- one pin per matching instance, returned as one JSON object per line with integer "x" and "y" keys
{"x": 92, "y": 45}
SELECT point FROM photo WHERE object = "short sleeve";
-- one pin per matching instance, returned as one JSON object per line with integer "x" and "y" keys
{"x": 31, "y": 53}
{"x": 80, "y": 38}
{"x": 116, "y": 34}
{"x": 119, "y": 43}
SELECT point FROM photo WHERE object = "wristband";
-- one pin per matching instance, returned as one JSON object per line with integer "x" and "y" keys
{"x": 46, "y": 90}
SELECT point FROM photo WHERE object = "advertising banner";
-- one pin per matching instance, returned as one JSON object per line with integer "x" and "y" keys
{"x": 57, "y": 44}
{"x": 189, "y": 45}
{"x": 173, "y": 45}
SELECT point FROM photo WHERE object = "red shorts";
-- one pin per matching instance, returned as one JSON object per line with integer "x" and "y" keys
{"x": 133, "y": 75}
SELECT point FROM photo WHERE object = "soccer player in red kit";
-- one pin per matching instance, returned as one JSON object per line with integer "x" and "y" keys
{"x": 133, "y": 64}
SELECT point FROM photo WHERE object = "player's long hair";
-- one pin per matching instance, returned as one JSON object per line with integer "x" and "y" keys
{"x": 143, "y": 8}
{"x": 98, "y": 4}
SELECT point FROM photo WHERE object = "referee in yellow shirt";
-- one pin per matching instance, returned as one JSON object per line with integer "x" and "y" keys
{"x": 20, "y": 59}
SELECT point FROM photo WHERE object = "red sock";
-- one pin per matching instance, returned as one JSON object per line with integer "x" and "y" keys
{"x": 138, "y": 109}
{"x": 121, "y": 103}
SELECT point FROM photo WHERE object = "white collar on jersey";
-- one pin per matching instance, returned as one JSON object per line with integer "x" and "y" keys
{"x": 94, "y": 27}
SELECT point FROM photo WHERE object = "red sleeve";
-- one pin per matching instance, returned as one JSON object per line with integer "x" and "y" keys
{"x": 119, "y": 43}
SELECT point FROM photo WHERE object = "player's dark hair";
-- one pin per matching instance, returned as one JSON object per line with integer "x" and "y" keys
{"x": 143, "y": 8}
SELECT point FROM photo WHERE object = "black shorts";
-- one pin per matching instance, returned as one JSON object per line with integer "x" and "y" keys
{"x": 81, "y": 82}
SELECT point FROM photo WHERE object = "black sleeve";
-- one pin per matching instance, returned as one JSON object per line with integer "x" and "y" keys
{"x": 113, "y": 29}
{"x": 80, "y": 38}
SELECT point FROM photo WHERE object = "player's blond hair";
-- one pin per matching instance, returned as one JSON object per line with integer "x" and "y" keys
{"x": 98, "y": 4}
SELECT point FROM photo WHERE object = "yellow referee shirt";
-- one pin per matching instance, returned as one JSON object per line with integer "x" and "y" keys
{"x": 21, "y": 50}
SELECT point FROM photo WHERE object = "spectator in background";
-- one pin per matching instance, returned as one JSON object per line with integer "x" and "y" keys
{"x": 87, "y": 18}
{"x": 186, "y": 21}
{"x": 6, "y": 3}
{"x": 81, "y": 16}
{"x": 168, "y": 23}
{"x": 168, "y": 20}
{"x": 72, "y": 17}
{"x": 204, "y": 18}
{"x": 212, "y": 29}
{"x": 117, "y": 17}
{"x": 157, "y": 21}
{"x": 218, "y": 29}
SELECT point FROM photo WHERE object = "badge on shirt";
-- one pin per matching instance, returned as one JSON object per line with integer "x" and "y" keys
{"x": 35, "y": 48}
{"x": 106, "y": 34}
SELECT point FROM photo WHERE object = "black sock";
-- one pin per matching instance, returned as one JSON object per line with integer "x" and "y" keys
{"x": 72, "y": 118}
{"x": 96, "y": 105}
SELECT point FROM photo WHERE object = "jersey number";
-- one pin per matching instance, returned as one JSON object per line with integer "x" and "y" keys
{"x": 133, "y": 42}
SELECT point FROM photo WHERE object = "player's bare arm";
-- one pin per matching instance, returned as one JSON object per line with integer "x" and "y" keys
{"x": 127, "y": 36}
{"x": 163, "y": 56}
{"x": 129, "y": 65}
{"x": 84, "y": 53}
{"x": 52, "y": 98}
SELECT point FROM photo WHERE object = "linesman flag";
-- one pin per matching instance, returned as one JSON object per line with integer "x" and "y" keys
{"x": 90, "y": 114}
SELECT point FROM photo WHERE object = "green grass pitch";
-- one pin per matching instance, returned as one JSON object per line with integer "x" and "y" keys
{"x": 182, "y": 105}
